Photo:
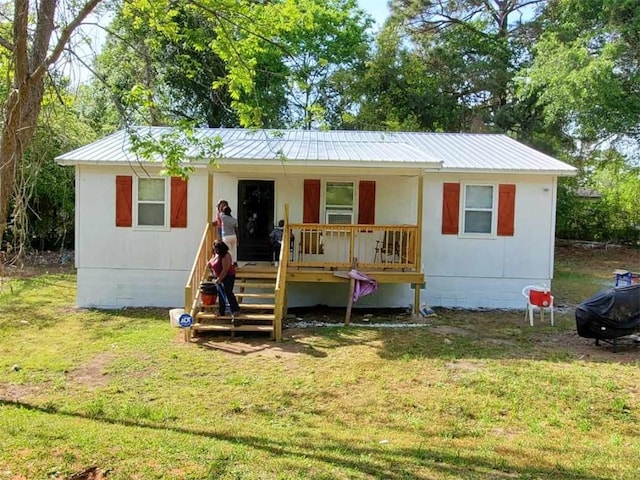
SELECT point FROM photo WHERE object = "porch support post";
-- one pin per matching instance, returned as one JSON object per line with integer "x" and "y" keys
{"x": 416, "y": 293}
{"x": 210, "y": 201}
{"x": 352, "y": 287}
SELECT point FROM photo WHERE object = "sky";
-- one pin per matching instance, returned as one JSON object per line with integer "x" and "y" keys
{"x": 378, "y": 9}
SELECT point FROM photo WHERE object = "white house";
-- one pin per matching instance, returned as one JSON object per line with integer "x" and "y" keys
{"x": 481, "y": 210}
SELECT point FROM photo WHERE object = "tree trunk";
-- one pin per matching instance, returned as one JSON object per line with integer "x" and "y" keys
{"x": 31, "y": 56}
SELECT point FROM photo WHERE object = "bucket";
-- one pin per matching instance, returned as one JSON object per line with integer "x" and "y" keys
{"x": 208, "y": 293}
{"x": 208, "y": 299}
{"x": 174, "y": 316}
{"x": 540, "y": 297}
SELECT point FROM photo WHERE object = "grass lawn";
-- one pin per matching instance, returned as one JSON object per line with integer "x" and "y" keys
{"x": 473, "y": 395}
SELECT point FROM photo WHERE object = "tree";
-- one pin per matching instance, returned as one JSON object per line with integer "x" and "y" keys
{"x": 323, "y": 39}
{"x": 476, "y": 47}
{"x": 398, "y": 91}
{"x": 32, "y": 49}
{"x": 584, "y": 80}
{"x": 586, "y": 68}
{"x": 266, "y": 64}
{"x": 42, "y": 207}
{"x": 158, "y": 79}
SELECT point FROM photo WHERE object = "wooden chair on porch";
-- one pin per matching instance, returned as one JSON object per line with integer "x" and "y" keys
{"x": 389, "y": 245}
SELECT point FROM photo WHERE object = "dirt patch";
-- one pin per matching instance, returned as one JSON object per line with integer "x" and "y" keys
{"x": 91, "y": 473}
{"x": 92, "y": 374}
{"x": 322, "y": 314}
{"x": 462, "y": 366}
{"x": 627, "y": 349}
{"x": 598, "y": 257}
{"x": 449, "y": 330}
{"x": 17, "y": 393}
{"x": 258, "y": 344}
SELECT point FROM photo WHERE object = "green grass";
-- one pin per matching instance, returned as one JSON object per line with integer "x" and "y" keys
{"x": 475, "y": 395}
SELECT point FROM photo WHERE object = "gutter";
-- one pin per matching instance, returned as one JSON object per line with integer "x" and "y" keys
{"x": 505, "y": 171}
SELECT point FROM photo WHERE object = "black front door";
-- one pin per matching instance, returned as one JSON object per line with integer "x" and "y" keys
{"x": 255, "y": 219}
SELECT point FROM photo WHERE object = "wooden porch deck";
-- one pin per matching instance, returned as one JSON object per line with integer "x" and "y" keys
{"x": 328, "y": 274}
{"x": 318, "y": 253}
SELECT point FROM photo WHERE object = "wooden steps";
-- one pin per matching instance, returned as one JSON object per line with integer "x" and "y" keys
{"x": 256, "y": 274}
{"x": 256, "y": 306}
{"x": 241, "y": 317}
{"x": 230, "y": 328}
{"x": 240, "y": 284}
{"x": 254, "y": 289}
{"x": 255, "y": 295}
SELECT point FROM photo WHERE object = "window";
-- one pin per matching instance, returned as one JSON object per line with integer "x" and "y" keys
{"x": 481, "y": 207}
{"x": 478, "y": 209}
{"x": 339, "y": 202}
{"x": 151, "y": 202}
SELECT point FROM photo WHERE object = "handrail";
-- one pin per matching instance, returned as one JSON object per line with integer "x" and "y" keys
{"x": 336, "y": 246}
{"x": 198, "y": 270}
{"x": 280, "y": 290}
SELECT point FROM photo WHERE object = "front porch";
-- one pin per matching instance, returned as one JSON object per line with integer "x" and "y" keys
{"x": 317, "y": 253}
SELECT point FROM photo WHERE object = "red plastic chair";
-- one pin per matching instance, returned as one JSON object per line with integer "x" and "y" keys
{"x": 537, "y": 296}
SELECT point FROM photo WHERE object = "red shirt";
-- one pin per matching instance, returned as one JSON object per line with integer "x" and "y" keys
{"x": 216, "y": 265}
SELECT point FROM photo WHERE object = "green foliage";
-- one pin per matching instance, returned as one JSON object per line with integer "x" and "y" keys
{"x": 586, "y": 67}
{"x": 559, "y": 75}
{"x": 613, "y": 215}
{"x": 399, "y": 91}
{"x": 42, "y": 208}
{"x": 177, "y": 148}
{"x": 308, "y": 43}
{"x": 472, "y": 51}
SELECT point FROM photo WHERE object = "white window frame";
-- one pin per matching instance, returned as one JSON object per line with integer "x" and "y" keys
{"x": 165, "y": 202}
{"x": 331, "y": 209}
{"x": 493, "y": 210}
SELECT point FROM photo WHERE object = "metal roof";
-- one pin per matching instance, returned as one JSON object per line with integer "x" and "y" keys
{"x": 433, "y": 151}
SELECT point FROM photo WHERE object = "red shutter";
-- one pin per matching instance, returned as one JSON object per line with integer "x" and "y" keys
{"x": 367, "y": 202}
{"x": 178, "y": 203}
{"x": 311, "y": 205}
{"x": 450, "y": 208}
{"x": 124, "y": 189}
{"x": 506, "y": 209}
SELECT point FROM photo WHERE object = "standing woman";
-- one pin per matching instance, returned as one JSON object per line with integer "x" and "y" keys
{"x": 222, "y": 204}
{"x": 230, "y": 232}
{"x": 221, "y": 265}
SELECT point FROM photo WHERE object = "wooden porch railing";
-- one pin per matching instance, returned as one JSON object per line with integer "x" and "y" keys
{"x": 280, "y": 302}
{"x": 336, "y": 246}
{"x": 198, "y": 270}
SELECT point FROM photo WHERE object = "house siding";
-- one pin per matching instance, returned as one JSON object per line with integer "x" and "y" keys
{"x": 489, "y": 272}
{"x": 127, "y": 266}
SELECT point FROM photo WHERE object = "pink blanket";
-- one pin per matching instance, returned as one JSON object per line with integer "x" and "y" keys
{"x": 364, "y": 285}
